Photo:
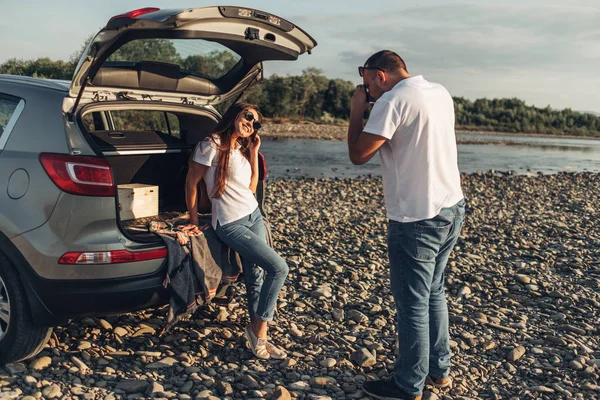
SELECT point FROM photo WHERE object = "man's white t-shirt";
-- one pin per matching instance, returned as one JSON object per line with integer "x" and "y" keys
{"x": 237, "y": 201}
{"x": 419, "y": 161}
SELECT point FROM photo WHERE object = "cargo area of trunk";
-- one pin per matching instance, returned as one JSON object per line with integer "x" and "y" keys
{"x": 149, "y": 168}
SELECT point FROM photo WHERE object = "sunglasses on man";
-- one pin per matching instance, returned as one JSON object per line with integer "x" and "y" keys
{"x": 249, "y": 116}
{"x": 362, "y": 69}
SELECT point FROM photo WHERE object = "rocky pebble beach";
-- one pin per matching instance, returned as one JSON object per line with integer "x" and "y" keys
{"x": 523, "y": 288}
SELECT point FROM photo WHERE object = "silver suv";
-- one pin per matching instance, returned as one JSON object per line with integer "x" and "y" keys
{"x": 144, "y": 93}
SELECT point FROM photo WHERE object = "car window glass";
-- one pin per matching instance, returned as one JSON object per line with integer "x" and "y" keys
{"x": 88, "y": 122}
{"x": 197, "y": 57}
{"x": 173, "y": 124}
{"x": 146, "y": 120}
{"x": 7, "y": 109}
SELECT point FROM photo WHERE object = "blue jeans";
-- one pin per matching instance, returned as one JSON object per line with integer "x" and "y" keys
{"x": 247, "y": 236}
{"x": 418, "y": 253}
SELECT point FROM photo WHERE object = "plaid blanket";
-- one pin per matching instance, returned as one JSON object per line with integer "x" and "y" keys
{"x": 197, "y": 266}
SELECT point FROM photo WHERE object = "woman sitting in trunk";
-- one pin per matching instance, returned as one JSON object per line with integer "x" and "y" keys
{"x": 227, "y": 160}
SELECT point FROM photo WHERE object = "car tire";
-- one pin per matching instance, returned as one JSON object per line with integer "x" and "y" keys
{"x": 19, "y": 338}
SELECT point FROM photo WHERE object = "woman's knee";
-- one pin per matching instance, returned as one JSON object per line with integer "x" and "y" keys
{"x": 281, "y": 268}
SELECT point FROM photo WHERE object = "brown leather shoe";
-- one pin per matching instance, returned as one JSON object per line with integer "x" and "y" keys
{"x": 440, "y": 383}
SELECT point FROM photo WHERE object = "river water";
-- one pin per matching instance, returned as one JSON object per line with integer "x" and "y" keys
{"x": 328, "y": 159}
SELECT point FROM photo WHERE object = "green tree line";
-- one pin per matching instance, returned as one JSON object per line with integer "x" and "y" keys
{"x": 315, "y": 97}
{"x": 513, "y": 115}
{"x": 310, "y": 96}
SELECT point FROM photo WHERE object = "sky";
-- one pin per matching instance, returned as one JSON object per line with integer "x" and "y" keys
{"x": 543, "y": 52}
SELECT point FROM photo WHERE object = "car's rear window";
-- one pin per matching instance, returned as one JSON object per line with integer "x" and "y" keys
{"x": 136, "y": 120}
{"x": 197, "y": 57}
{"x": 145, "y": 120}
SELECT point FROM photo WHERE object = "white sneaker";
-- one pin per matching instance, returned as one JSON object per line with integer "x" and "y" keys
{"x": 257, "y": 345}
{"x": 276, "y": 352}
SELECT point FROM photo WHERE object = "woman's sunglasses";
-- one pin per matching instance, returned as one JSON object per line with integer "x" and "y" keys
{"x": 249, "y": 116}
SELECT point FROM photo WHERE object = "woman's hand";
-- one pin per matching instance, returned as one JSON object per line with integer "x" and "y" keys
{"x": 190, "y": 229}
{"x": 254, "y": 144}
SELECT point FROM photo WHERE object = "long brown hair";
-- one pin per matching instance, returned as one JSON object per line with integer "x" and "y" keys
{"x": 224, "y": 132}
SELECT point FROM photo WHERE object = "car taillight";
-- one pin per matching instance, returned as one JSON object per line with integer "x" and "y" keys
{"x": 80, "y": 175}
{"x": 111, "y": 257}
{"x": 134, "y": 14}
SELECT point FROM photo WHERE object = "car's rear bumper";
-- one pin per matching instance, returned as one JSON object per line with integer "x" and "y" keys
{"x": 55, "y": 301}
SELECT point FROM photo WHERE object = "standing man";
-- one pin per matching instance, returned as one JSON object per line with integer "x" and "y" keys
{"x": 412, "y": 126}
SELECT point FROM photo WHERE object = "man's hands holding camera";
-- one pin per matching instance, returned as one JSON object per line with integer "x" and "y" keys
{"x": 359, "y": 101}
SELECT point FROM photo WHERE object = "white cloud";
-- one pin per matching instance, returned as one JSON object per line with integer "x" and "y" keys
{"x": 542, "y": 51}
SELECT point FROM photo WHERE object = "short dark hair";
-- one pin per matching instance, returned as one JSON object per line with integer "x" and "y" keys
{"x": 387, "y": 60}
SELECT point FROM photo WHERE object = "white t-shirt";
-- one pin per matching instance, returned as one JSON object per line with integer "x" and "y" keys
{"x": 419, "y": 160}
{"x": 237, "y": 201}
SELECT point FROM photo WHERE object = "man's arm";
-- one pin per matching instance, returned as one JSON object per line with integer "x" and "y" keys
{"x": 362, "y": 146}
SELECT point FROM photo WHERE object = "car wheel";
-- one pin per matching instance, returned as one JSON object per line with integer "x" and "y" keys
{"x": 19, "y": 338}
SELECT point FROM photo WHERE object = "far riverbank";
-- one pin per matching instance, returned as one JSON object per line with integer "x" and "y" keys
{"x": 338, "y": 133}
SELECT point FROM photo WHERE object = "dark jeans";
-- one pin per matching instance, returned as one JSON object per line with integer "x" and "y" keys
{"x": 247, "y": 236}
{"x": 418, "y": 253}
